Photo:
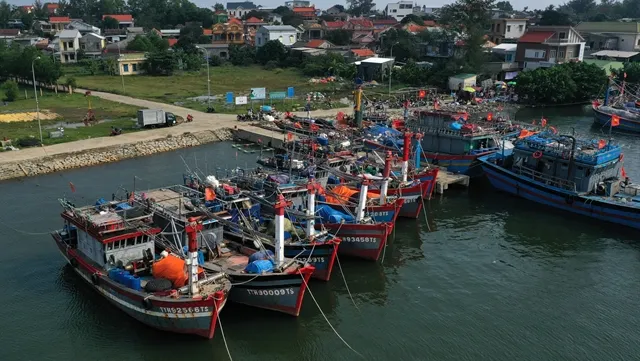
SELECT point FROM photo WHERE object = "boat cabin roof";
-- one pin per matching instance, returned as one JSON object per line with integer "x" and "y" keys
{"x": 591, "y": 152}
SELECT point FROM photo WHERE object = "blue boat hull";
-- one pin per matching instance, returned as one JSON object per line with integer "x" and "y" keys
{"x": 627, "y": 125}
{"x": 593, "y": 207}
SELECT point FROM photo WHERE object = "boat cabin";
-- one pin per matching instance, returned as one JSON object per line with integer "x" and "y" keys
{"x": 114, "y": 233}
{"x": 567, "y": 163}
{"x": 445, "y": 133}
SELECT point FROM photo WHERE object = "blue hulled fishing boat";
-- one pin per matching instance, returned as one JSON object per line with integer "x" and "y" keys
{"x": 583, "y": 177}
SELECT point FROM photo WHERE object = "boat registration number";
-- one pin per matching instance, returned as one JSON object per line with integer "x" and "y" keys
{"x": 411, "y": 200}
{"x": 272, "y": 292}
{"x": 360, "y": 239}
{"x": 316, "y": 260}
{"x": 378, "y": 214}
{"x": 184, "y": 310}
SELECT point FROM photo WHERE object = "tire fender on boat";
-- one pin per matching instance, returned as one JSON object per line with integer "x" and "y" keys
{"x": 147, "y": 304}
{"x": 74, "y": 262}
{"x": 537, "y": 154}
{"x": 95, "y": 278}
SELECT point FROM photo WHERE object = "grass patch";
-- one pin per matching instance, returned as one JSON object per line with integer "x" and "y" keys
{"x": 71, "y": 109}
{"x": 239, "y": 80}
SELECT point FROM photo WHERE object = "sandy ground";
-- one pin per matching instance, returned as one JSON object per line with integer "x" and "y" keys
{"x": 27, "y": 117}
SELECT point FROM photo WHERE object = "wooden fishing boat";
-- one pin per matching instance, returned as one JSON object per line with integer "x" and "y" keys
{"x": 110, "y": 245}
{"x": 279, "y": 288}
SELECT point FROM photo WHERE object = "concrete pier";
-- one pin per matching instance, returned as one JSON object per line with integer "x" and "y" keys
{"x": 445, "y": 179}
{"x": 271, "y": 138}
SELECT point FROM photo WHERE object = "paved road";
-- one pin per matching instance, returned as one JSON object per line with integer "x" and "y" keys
{"x": 202, "y": 121}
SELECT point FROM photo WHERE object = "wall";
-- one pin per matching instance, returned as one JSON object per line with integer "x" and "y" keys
{"x": 97, "y": 156}
{"x": 512, "y": 29}
{"x": 627, "y": 42}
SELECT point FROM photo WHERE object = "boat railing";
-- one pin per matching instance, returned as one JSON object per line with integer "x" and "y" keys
{"x": 545, "y": 178}
{"x": 456, "y": 133}
{"x": 565, "y": 153}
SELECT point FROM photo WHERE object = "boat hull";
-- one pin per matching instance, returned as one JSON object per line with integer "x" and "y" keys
{"x": 196, "y": 317}
{"x": 364, "y": 241}
{"x": 412, "y": 196}
{"x": 626, "y": 124}
{"x": 275, "y": 292}
{"x": 380, "y": 214}
{"x": 594, "y": 207}
{"x": 321, "y": 256}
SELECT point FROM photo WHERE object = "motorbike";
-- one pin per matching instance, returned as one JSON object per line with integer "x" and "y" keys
{"x": 115, "y": 131}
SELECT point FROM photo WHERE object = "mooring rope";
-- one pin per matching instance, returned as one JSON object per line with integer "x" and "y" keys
{"x": 224, "y": 339}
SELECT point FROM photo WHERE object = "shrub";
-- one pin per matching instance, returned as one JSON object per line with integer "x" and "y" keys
{"x": 271, "y": 65}
{"x": 10, "y": 88}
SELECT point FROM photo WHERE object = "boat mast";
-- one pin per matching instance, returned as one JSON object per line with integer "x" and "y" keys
{"x": 406, "y": 149}
{"x": 192, "y": 258}
{"x": 385, "y": 181}
{"x": 279, "y": 208}
{"x": 311, "y": 207}
{"x": 364, "y": 188}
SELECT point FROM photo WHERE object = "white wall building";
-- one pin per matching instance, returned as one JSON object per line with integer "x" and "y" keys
{"x": 399, "y": 10}
{"x": 286, "y": 34}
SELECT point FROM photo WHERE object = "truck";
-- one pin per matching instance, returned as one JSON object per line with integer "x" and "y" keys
{"x": 152, "y": 118}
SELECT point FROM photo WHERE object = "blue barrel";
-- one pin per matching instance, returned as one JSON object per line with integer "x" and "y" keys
{"x": 128, "y": 279}
{"x": 322, "y": 141}
{"x": 113, "y": 273}
{"x": 135, "y": 283}
{"x": 266, "y": 108}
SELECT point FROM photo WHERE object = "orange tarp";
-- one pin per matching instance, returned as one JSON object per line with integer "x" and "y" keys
{"x": 525, "y": 133}
{"x": 342, "y": 194}
{"x": 173, "y": 269}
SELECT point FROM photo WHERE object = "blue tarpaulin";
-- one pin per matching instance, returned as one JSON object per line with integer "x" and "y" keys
{"x": 330, "y": 215}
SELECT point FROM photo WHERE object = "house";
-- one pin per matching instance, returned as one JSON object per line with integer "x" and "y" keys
{"x": 42, "y": 26}
{"x": 297, "y": 4}
{"x": 362, "y": 53}
{"x": 306, "y": 13}
{"x": 169, "y": 33}
{"x": 358, "y": 24}
{"x": 459, "y": 81}
{"x": 313, "y": 31}
{"x": 610, "y": 35}
{"x": 374, "y": 68}
{"x": 219, "y": 50}
{"x": 545, "y": 46}
{"x": 83, "y": 27}
{"x": 231, "y": 32}
{"x": 9, "y": 35}
{"x": 93, "y": 45}
{"x": 28, "y": 40}
{"x": 68, "y": 46}
{"x": 384, "y": 23}
{"x": 253, "y": 23}
{"x": 318, "y": 44}
{"x": 286, "y": 34}
{"x": 240, "y": 9}
{"x": 506, "y": 29}
{"x": 115, "y": 35}
{"x": 616, "y": 55}
{"x": 131, "y": 63}
{"x": 503, "y": 61}
{"x": 58, "y": 23}
{"x": 124, "y": 20}
{"x": 332, "y": 25}
{"x": 51, "y": 8}
{"x": 220, "y": 17}
{"x": 399, "y": 10}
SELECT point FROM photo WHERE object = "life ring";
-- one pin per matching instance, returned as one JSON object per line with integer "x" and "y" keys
{"x": 537, "y": 154}
{"x": 74, "y": 262}
{"x": 147, "y": 304}
{"x": 95, "y": 279}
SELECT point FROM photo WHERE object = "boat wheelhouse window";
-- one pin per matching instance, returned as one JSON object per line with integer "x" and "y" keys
{"x": 109, "y": 246}
{"x": 130, "y": 242}
{"x": 564, "y": 165}
{"x": 588, "y": 172}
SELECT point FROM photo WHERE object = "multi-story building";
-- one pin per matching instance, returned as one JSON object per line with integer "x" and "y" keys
{"x": 297, "y": 4}
{"x": 83, "y": 27}
{"x": 93, "y": 44}
{"x": 240, "y": 9}
{"x": 545, "y": 46}
{"x": 58, "y": 23}
{"x": 231, "y": 32}
{"x": 124, "y": 20}
{"x": 69, "y": 45}
{"x": 286, "y": 34}
{"x": 399, "y": 10}
{"x": 507, "y": 30}
{"x": 610, "y": 35}
{"x": 306, "y": 13}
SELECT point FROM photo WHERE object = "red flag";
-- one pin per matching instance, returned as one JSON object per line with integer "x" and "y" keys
{"x": 615, "y": 120}
{"x": 421, "y": 94}
{"x": 73, "y": 187}
{"x": 543, "y": 122}
{"x": 289, "y": 136}
{"x": 490, "y": 116}
{"x": 623, "y": 173}
{"x": 601, "y": 143}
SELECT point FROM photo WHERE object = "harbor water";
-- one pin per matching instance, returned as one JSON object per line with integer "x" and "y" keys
{"x": 489, "y": 277}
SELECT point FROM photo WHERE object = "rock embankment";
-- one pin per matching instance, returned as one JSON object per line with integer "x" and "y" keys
{"x": 97, "y": 156}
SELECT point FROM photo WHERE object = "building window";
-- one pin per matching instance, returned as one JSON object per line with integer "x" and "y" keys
{"x": 125, "y": 68}
{"x": 394, "y": 11}
{"x": 259, "y": 41}
{"x": 135, "y": 67}
{"x": 520, "y": 28}
{"x": 291, "y": 39}
{"x": 493, "y": 27}
{"x": 638, "y": 42}
{"x": 281, "y": 39}
{"x": 508, "y": 28}
{"x": 552, "y": 54}
{"x": 498, "y": 27}
{"x": 569, "y": 54}
{"x": 562, "y": 35}
{"x": 561, "y": 54}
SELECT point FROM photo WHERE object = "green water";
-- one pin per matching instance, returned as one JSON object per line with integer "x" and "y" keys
{"x": 490, "y": 278}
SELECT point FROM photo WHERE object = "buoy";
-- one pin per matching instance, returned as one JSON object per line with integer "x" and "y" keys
{"x": 537, "y": 154}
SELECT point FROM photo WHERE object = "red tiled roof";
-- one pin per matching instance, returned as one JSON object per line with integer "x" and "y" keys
{"x": 315, "y": 43}
{"x": 51, "y": 6}
{"x": 304, "y": 10}
{"x": 9, "y": 32}
{"x": 59, "y": 19}
{"x": 254, "y": 20}
{"x": 430, "y": 23}
{"x": 413, "y": 28}
{"x": 334, "y": 24}
{"x": 207, "y": 32}
{"x": 235, "y": 20}
{"x": 535, "y": 36}
{"x": 172, "y": 42}
{"x": 363, "y": 52}
{"x": 385, "y": 22}
{"x": 119, "y": 17}
{"x": 365, "y": 23}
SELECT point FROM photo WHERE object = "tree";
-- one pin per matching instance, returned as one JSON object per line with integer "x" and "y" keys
{"x": 282, "y": 10}
{"x": 340, "y": 8}
{"x": 551, "y": 16}
{"x": 110, "y": 23}
{"x": 10, "y": 89}
{"x": 504, "y": 6}
{"x": 257, "y": 14}
{"x": 403, "y": 44}
{"x": 160, "y": 62}
{"x": 5, "y": 13}
{"x": 92, "y": 66}
{"x": 149, "y": 42}
{"x": 189, "y": 37}
{"x": 338, "y": 37}
{"x": 469, "y": 18}
{"x": 413, "y": 19}
{"x": 218, "y": 7}
{"x": 242, "y": 55}
{"x": 272, "y": 50}
{"x": 360, "y": 7}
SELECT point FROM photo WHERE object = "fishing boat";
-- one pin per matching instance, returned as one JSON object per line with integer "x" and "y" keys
{"x": 361, "y": 236}
{"x": 585, "y": 177}
{"x": 616, "y": 110}
{"x": 111, "y": 246}
{"x": 274, "y": 283}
